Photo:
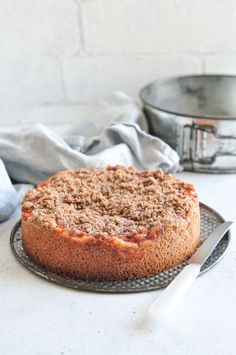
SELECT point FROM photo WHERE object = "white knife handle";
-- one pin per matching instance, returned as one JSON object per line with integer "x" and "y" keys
{"x": 174, "y": 292}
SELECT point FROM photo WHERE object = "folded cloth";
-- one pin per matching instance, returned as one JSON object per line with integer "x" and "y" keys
{"x": 31, "y": 154}
{"x": 8, "y": 195}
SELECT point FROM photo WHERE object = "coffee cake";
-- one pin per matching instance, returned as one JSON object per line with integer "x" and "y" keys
{"x": 110, "y": 224}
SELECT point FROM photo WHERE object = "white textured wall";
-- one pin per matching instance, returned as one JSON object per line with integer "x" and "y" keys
{"x": 58, "y": 56}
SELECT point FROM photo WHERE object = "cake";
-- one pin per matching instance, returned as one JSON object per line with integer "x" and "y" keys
{"x": 111, "y": 223}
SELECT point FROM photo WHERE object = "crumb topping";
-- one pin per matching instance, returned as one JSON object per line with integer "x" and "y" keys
{"x": 115, "y": 201}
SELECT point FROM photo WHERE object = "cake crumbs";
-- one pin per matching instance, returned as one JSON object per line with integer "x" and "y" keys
{"x": 115, "y": 201}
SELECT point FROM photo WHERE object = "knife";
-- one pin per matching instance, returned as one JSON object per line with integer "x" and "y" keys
{"x": 171, "y": 296}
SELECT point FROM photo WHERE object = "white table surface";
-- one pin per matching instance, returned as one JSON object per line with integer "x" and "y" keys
{"x": 38, "y": 317}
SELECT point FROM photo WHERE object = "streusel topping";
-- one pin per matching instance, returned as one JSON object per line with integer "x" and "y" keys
{"x": 115, "y": 201}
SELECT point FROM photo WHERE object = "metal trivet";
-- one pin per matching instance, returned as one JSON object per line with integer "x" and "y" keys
{"x": 210, "y": 219}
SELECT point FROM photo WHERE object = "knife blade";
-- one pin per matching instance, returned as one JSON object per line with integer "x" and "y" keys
{"x": 207, "y": 247}
{"x": 171, "y": 296}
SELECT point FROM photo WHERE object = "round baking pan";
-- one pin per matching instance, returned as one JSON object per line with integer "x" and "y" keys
{"x": 196, "y": 116}
{"x": 210, "y": 219}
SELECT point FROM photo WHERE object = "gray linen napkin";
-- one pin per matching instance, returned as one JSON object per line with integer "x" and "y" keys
{"x": 33, "y": 153}
{"x": 8, "y": 195}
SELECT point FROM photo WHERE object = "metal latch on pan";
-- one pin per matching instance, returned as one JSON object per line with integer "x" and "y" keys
{"x": 203, "y": 144}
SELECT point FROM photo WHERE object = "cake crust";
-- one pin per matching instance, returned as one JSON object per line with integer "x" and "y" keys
{"x": 110, "y": 224}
